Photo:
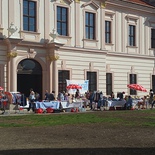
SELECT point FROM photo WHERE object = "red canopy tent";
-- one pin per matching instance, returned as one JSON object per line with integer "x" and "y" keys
{"x": 136, "y": 87}
{"x": 1, "y": 88}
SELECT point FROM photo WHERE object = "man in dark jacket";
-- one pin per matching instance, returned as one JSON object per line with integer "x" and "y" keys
{"x": 51, "y": 96}
{"x": 46, "y": 95}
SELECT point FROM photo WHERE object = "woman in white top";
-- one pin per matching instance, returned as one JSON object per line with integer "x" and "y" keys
{"x": 31, "y": 100}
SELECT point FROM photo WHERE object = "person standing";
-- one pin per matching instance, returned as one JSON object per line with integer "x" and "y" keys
{"x": 52, "y": 96}
{"x": 66, "y": 97}
{"x": 112, "y": 95}
{"x": 151, "y": 97}
{"x": 77, "y": 94}
{"x": 31, "y": 100}
{"x": 60, "y": 96}
{"x": 129, "y": 103}
{"x": 3, "y": 101}
{"x": 46, "y": 95}
{"x": 37, "y": 96}
{"x": 91, "y": 98}
{"x": 101, "y": 101}
{"x": 96, "y": 99}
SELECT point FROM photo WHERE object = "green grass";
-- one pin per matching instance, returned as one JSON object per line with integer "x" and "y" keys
{"x": 142, "y": 118}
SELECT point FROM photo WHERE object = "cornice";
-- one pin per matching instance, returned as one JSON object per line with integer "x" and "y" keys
{"x": 63, "y": 1}
{"x": 11, "y": 44}
{"x": 91, "y": 3}
{"x": 105, "y": 52}
{"x": 130, "y": 55}
{"x": 83, "y": 50}
{"x": 31, "y": 44}
{"x": 54, "y": 45}
{"x": 129, "y": 16}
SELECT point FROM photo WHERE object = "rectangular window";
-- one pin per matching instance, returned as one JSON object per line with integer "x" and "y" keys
{"x": 108, "y": 83}
{"x": 92, "y": 77}
{"x": 90, "y": 25}
{"x": 133, "y": 80}
{"x": 152, "y": 38}
{"x": 107, "y": 32}
{"x": 62, "y": 21}
{"x": 29, "y": 15}
{"x": 132, "y": 35}
{"x": 153, "y": 83}
{"x": 63, "y": 75}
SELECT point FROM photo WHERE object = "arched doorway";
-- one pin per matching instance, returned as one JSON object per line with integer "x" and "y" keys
{"x": 29, "y": 75}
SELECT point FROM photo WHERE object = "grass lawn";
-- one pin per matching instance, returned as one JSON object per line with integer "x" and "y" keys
{"x": 136, "y": 118}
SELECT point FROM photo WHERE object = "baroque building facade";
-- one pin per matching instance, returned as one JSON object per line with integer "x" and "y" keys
{"x": 111, "y": 43}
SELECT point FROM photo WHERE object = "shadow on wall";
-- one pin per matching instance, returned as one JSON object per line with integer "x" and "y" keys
{"x": 82, "y": 151}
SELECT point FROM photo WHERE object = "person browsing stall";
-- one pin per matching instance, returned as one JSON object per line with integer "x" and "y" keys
{"x": 46, "y": 95}
{"x": 3, "y": 101}
{"x": 77, "y": 94}
{"x": 129, "y": 102}
{"x": 31, "y": 100}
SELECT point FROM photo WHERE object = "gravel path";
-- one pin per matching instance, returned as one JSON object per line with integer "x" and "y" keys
{"x": 85, "y": 139}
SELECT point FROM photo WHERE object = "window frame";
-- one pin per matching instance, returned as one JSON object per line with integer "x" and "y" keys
{"x": 89, "y": 26}
{"x": 133, "y": 92}
{"x": 134, "y": 21}
{"x": 132, "y": 37}
{"x": 108, "y": 32}
{"x": 91, "y": 84}
{"x": 67, "y": 20}
{"x": 30, "y": 16}
{"x": 109, "y": 91}
{"x": 110, "y": 16}
{"x": 55, "y": 20}
{"x": 153, "y": 82}
{"x": 64, "y": 83}
{"x": 29, "y": 35}
{"x": 152, "y": 38}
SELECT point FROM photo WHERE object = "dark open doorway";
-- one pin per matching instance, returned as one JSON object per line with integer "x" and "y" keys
{"x": 29, "y": 76}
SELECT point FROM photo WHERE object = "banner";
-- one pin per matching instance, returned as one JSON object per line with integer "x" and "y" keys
{"x": 83, "y": 83}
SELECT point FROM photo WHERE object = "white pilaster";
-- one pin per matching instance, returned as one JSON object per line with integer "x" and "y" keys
{"x": 13, "y": 78}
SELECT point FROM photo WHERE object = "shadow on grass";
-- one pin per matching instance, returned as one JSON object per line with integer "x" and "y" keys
{"x": 82, "y": 151}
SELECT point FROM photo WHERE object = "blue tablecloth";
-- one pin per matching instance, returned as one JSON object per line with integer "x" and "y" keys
{"x": 45, "y": 105}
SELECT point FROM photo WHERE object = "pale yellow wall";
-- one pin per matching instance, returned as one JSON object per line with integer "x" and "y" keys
{"x": 79, "y": 52}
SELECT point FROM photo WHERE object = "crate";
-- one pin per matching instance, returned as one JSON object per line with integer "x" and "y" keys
{"x": 118, "y": 108}
{"x": 112, "y": 108}
{"x": 56, "y": 110}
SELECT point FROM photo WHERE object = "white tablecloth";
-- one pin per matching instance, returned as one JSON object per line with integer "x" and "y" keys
{"x": 116, "y": 103}
{"x": 66, "y": 104}
{"x": 45, "y": 105}
{"x": 135, "y": 102}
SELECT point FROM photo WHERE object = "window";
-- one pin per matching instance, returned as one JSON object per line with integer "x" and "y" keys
{"x": 92, "y": 77}
{"x": 131, "y": 35}
{"x": 62, "y": 76}
{"x": 107, "y": 31}
{"x": 90, "y": 25}
{"x": 62, "y": 21}
{"x": 152, "y": 38}
{"x": 108, "y": 83}
{"x": 133, "y": 80}
{"x": 29, "y": 15}
{"x": 153, "y": 83}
